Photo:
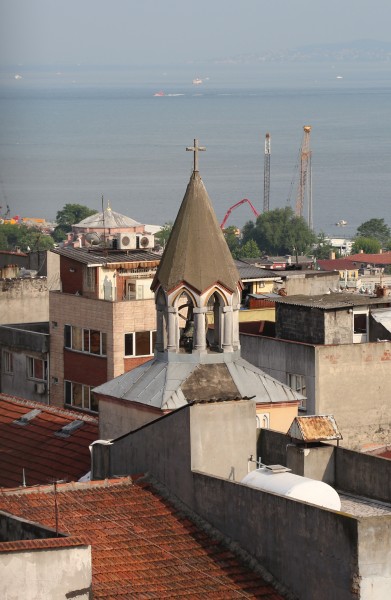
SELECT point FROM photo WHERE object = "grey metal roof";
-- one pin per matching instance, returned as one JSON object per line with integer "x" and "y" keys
{"x": 382, "y": 316}
{"x": 332, "y": 300}
{"x": 109, "y": 219}
{"x": 93, "y": 257}
{"x": 247, "y": 271}
{"x": 170, "y": 385}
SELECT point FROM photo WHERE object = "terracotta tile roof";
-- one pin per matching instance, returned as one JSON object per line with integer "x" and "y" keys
{"x": 376, "y": 259}
{"x": 36, "y": 448}
{"x": 336, "y": 264}
{"x": 142, "y": 547}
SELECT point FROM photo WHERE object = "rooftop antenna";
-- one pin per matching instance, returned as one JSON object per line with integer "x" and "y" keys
{"x": 104, "y": 225}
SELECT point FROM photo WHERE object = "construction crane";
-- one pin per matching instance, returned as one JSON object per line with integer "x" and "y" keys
{"x": 266, "y": 175}
{"x": 235, "y": 206}
{"x": 305, "y": 183}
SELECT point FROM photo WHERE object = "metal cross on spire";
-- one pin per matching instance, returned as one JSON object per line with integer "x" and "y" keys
{"x": 196, "y": 148}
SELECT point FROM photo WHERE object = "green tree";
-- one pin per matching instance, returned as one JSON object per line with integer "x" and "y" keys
{"x": 280, "y": 231}
{"x": 232, "y": 239}
{"x": 249, "y": 250}
{"x": 162, "y": 236}
{"x": 367, "y": 245}
{"x": 68, "y": 216}
{"x": 376, "y": 229}
{"x": 23, "y": 237}
{"x": 323, "y": 247}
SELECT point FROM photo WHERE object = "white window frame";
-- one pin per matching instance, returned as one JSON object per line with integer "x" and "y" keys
{"x": 134, "y": 334}
{"x": 69, "y": 331}
{"x": 30, "y": 366}
{"x": 8, "y": 362}
{"x": 86, "y": 391}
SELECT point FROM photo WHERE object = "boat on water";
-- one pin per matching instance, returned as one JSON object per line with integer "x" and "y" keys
{"x": 197, "y": 81}
{"x": 159, "y": 94}
{"x": 341, "y": 223}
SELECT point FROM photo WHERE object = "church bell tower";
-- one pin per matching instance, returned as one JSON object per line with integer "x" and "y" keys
{"x": 197, "y": 286}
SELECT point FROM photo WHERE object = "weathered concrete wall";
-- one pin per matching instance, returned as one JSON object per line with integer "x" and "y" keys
{"x": 315, "y": 462}
{"x": 227, "y": 425}
{"x": 349, "y": 381}
{"x": 271, "y": 447}
{"x": 18, "y": 384}
{"x": 353, "y": 384}
{"x": 338, "y": 326}
{"x": 374, "y": 563}
{"x": 47, "y": 574}
{"x": 24, "y": 300}
{"x": 311, "y": 550}
{"x": 14, "y": 528}
{"x": 363, "y": 474}
{"x": 162, "y": 448}
{"x": 354, "y": 472}
{"x": 118, "y": 418}
{"x": 311, "y": 284}
{"x": 280, "y": 357}
{"x": 300, "y": 323}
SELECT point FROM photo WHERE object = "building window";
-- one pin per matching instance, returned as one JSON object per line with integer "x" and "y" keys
{"x": 8, "y": 362}
{"x": 360, "y": 323}
{"x": 297, "y": 383}
{"x": 79, "y": 395}
{"x": 263, "y": 420}
{"x": 90, "y": 341}
{"x": 36, "y": 368}
{"x": 89, "y": 279}
{"x": 140, "y": 343}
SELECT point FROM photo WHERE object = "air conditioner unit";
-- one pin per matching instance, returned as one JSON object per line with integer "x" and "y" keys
{"x": 40, "y": 388}
{"x": 146, "y": 241}
{"x": 126, "y": 241}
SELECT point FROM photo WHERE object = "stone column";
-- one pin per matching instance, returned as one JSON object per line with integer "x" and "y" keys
{"x": 228, "y": 329}
{"x": 159, "y": 330}
{"x": 172, "y": 337}
{"x": 235, "y": 325}
{"x": 199, "y": 342}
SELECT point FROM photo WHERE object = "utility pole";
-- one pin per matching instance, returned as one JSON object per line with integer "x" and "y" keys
{"x": 266, "y": 175}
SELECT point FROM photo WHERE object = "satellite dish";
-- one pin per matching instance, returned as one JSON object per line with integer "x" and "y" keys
{"x": 93, "y": 238}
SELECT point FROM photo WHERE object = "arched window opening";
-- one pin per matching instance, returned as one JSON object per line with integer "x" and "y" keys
{"x": 215, "y": 335}
{"x": 185, "y": 305}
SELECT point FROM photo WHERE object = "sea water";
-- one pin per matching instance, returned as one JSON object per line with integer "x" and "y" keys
{"x": 71, "y": 135}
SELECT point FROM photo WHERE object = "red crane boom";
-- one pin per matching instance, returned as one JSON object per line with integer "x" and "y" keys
{"x": 235, "y": 206}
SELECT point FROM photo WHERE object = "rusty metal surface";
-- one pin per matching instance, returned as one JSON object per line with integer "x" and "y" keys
{"x": 315, "y": 428}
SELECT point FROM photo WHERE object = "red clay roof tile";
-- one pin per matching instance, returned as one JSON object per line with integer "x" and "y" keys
{"x": 35, "y": 448}
{"x": 134, "y": 552}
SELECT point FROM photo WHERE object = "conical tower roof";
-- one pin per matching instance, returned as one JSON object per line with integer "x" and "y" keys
{"x": 196, "y": 252}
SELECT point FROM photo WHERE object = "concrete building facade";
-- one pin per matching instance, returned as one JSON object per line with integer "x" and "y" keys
{"x": 102, "y": 322}
{"x": 24, "y": 361}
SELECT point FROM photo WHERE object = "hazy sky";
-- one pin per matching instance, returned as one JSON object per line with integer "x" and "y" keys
{"x": 143, "y": 32}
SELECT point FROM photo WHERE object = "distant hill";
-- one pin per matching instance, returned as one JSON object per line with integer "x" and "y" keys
{"x": 357, "y": 51}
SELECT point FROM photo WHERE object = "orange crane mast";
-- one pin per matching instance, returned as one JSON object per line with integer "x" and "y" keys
{"x": 305, "y": 170}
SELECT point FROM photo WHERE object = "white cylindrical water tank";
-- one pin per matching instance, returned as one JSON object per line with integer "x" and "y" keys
{"x": 294, "y": 486}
